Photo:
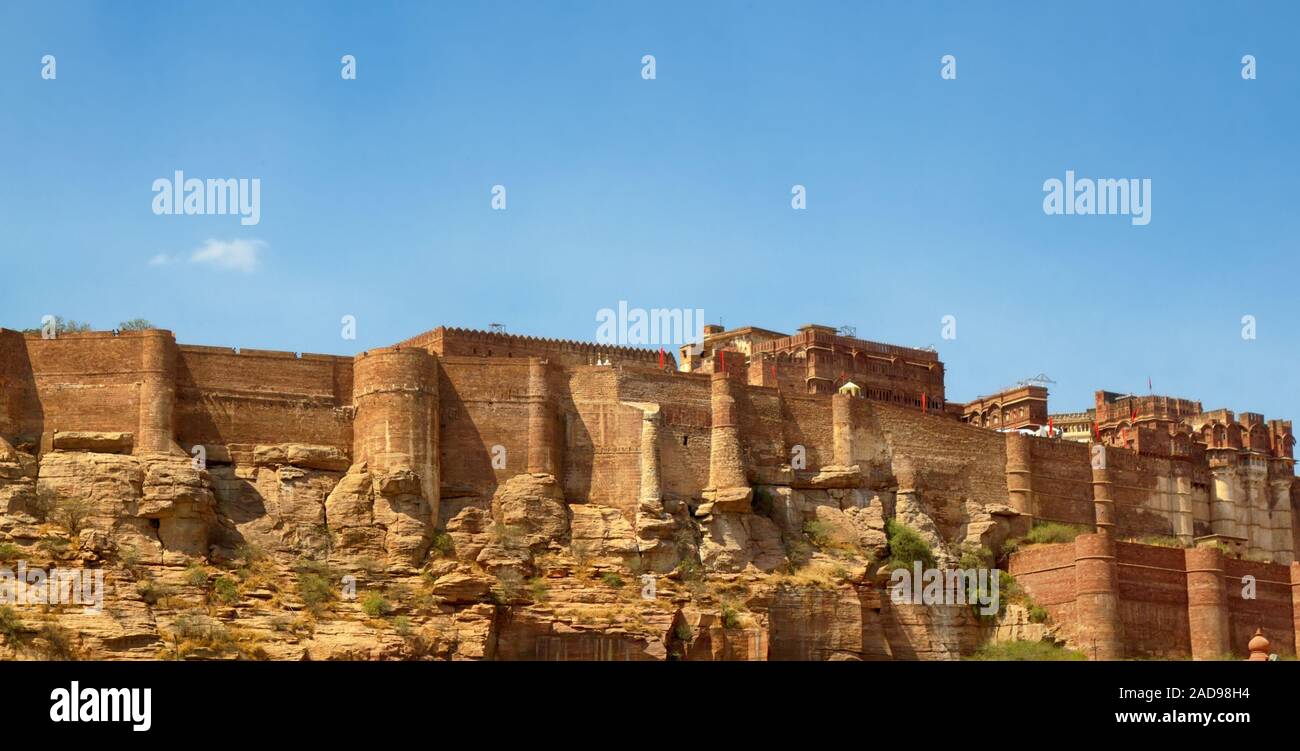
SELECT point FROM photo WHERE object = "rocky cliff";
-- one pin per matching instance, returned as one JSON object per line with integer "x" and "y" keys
{"x": 291, "y": 552}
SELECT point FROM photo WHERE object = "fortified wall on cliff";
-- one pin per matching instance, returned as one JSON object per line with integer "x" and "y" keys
{"x": 752, "y": 436}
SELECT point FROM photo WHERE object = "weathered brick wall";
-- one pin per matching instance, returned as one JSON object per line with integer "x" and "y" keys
{"x": 1061, "y": 473}
{"x": 226, "y": 396}
{"x": 1141, "y": 491}
{"x": 1046, "y": 572}
{"x": 1270, "y": 609}
{"x": 684, "y": 437}
{"x": 946, "y": 461}
{"x": 20, "y": 409}
{"x": 765, "y": 424}
{"x": 602, "y": 441}
{"x": 1152, "y": 590}
{"x": 482, "y": 403}
{"x": 87, "y": 381}
{"x": 807, "y": 423}
{"x": 1153, "y": 600}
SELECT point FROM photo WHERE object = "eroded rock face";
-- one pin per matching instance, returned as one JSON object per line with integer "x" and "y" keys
{"x": 111, "y": 484}
{"x": 381, "y": 514}
{"x": 734, "y": 542}
{"x": 274, "y": 505}
{"x": 535, "y": 505}
{"x": 179, "y": 498}
{"x": 351, "y": 565}
{"x": 852, "y": 517}
{"x": 909, "y": 510}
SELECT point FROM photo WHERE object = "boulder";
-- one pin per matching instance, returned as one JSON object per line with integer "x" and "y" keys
{"x": 100, "y": 443}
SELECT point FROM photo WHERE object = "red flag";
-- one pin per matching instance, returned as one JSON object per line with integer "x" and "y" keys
{"x": 1096, "y": 430}
{"x": 1049, "y": 426}
{"x": 661, "y": 357}
{"x": 923, "y": 403}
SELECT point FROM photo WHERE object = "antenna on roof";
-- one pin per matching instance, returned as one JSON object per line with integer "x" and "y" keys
{"x": 847, "y": 330}
{"x": 497, "y": 328}
{"x": 1039, "y": 380}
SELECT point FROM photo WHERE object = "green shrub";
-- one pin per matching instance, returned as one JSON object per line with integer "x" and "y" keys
{"x": 443, "y": 546}
{"x": 538, "y": 590}
{"x": 1161, "y": 541}
{"x": 129, "y": 555}
{"x": 1022, "y": 651}
{"x": 57, "y": 643}
{"x": 1053, "y": 532}
{"x": 196, "y": 576}
{"x": 10, "y": 552}
{"x": 71, "y": 514}
{"x": 225, "y": 590}
{"x": 730, "y": 617}
{"x": 10, "y": 624}
{"x": 153, "y": 593}
{"x": 683, "y": 631}
{"x": 612, "y": 579}
{"x": 819, "y": 533}
{"x": 974, "y": 555}
{"x": 62, "y": 326}
{"x": 906, "y": 546}
{"x": 402, "y": 625}
{"x": 510, "y": 586}
{"x": 315, "y": 590}
{"x": 248, "y": 554}
{"x": 375, "y": 605}
{"x": 1037, "y": 614}
{"x": 52, "y": 545}
{"x": 798, "y": 551}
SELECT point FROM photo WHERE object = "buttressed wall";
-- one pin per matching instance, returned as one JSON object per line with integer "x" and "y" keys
{"x": 464, "y": 411}
{"x": 615, "y": 447}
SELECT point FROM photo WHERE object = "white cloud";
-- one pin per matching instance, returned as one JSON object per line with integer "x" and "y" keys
{"x": 236, "y": 255}
{"x": 161, "y": 259}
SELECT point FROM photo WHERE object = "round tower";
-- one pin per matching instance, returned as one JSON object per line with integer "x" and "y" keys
{"x": 1103, "y": 503}
{"x": 1295, "y": 602}
{"x": 1096, "y": 602}
{"x": 395, "y": 392}
{"x": 1207, "y": 603}
{"x": 157, "y": 392}
{"x": 1020, "y": 483}
{"x": 842, "y": 428}
{"x": 541, "y": 419}
{"x": 726, "y": 461}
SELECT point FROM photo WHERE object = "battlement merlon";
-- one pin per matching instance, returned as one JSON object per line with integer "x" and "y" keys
{"x": 453, "y": 341}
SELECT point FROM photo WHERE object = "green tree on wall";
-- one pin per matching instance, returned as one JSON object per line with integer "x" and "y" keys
{"x": 63, "y": 326}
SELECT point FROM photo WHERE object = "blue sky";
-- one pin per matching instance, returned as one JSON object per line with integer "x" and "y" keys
{"x": 924, "y": 195}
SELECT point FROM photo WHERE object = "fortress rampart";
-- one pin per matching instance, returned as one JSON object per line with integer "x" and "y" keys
{"x": 455, "y": 415}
